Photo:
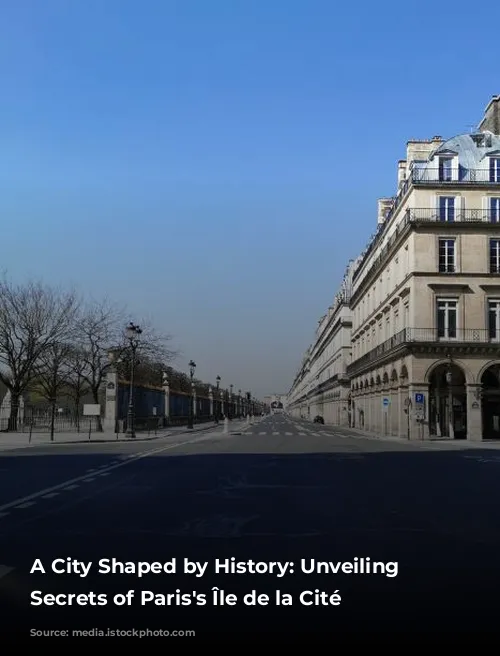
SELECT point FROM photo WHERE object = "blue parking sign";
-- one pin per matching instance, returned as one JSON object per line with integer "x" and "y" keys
{"x": 419, "y": 397}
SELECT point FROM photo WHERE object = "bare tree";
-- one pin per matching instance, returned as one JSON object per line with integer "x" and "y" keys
{"x": 97, "y": 335}
{"x": 50, "y": 376}
{"x": 76, "y": 386}
{"x": 33, "y": 316}
{"x": 101, "y": 332}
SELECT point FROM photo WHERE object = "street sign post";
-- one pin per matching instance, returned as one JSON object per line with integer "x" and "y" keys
{"x": 419, "y": 406}
{"x": 386, "y": 401}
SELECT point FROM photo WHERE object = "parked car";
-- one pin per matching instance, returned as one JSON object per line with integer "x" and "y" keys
{"x": 318, "y": 419}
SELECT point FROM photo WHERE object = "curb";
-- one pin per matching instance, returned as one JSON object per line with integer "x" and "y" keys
{"x": 120, "y": 440}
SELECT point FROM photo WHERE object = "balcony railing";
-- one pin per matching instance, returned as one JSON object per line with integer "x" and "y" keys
{"x": 424, "y": 335}
{"x": 427, "y": 176}
{"x": 462, "y": 176}
{"x": 427, "y": 214}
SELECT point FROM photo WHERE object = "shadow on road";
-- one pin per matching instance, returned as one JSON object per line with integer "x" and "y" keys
{"x": 433, "y": 513}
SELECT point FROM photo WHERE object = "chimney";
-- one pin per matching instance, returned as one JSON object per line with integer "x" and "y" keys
{"x": 420, "y": 149}
{"x": 401, "y": 171}
{"x": 491, "y": 119}
{"x": 384, "y": 205}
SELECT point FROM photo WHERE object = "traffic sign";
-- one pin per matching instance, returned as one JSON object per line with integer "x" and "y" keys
{"x": 419, "y": 398}
{"x": 386, "y": 401}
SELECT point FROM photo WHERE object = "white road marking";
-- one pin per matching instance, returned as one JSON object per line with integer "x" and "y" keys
{"x": 70, "y": 487}
{"x": 89, "y": 480}
{"x": 51, "y": 495}
{"x": 263, "y": 433}
{"x": 4, "y": 570}
{"x": 104, "y": 474}
{"x": 275, "y": 433}
{"x": 28, "y": 500}
{"x": 288, "y": 433}
{"x": 301, "y": 433}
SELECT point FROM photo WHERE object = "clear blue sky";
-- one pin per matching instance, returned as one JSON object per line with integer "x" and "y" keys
{"x": 215, "y": 163}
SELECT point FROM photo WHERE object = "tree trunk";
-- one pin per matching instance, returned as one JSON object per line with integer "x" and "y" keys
{"x": 95, "y": 394}
{"x": 77, "y": 411}
{"x": 52, "y": 419}
{"x": 14, "y": 411}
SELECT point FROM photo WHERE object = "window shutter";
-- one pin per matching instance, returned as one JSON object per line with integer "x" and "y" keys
{"x": 454, "y": 168}
{"x": 458, "y": 208}
{"x": 485, "y": 207}
{"x": 435, "y": 205}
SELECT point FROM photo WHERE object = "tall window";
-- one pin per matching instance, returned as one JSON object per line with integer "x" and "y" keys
{"x": 445, "y": 168}
{"x": 446, "y": 208}
{"x": 494, "y": 169}
{"x": 494, "y": 255}
{"x": 495, "y": 210}
{"x": 494, "y": 319}
{"x": 447, "y": 318}
{"x": 446, "y": 256}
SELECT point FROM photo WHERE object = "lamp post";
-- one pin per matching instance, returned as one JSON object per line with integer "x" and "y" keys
{"x": 216, "y": 401}
{"x": 230, "y": 406}
{"x": 192, "y": 368}
{"x": 239, "y": 404}
{"x": 133, "y": 334}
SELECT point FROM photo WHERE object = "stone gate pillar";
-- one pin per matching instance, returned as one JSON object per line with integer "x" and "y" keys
{"x": 166, "y": 392}
{"x": 111, "y": 407}
{"x": 211, "y": 399}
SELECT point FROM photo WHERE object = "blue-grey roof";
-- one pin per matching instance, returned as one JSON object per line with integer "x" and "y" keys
{"x": 470, "y": 155}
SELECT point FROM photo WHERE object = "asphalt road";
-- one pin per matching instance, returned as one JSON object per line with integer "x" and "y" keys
{"x": 283, "y": 491}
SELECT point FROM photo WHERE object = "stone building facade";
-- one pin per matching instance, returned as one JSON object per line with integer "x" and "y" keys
{"x": 425, "y": 297}
{"x": 321, "y": 386}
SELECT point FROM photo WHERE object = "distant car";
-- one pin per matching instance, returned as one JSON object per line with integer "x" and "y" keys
{"x": 318, "y": 419}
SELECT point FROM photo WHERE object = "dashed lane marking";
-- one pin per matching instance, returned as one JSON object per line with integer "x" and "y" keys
{"x": 30, "y": 499}
{"x": 51, "y": 495}
{"x": 70, "y": 487}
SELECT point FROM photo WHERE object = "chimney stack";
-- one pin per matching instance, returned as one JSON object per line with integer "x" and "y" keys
{"x": 491, "y": 119}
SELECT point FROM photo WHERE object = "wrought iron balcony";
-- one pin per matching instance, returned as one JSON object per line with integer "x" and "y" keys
{"x": 409, "y": 336}
{"x": 427, "y": 214}
{"x": 462, "y": 176}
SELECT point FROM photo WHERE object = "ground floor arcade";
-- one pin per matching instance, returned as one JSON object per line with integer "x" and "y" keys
{"x": 454, "y": 395}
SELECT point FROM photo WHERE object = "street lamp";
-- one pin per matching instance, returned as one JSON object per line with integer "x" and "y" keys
{"x": 133, "y": 334}
{"x": 239, "y": 404}
{"x": 230, "y": 407}
{"x": 192, "y": 368}
{"x": 216, "y": 401}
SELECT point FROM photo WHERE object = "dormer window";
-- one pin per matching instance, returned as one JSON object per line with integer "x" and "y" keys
{"x": 445, "y": 169}
{"x": 494, "y": 169}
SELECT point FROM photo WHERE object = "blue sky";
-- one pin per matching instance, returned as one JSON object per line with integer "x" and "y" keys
{"x": 215, "y": 163}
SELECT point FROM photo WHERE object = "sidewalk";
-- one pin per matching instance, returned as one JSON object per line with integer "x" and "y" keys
{"x": 437, "y": 441}
{"x": 22, "y": 440}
